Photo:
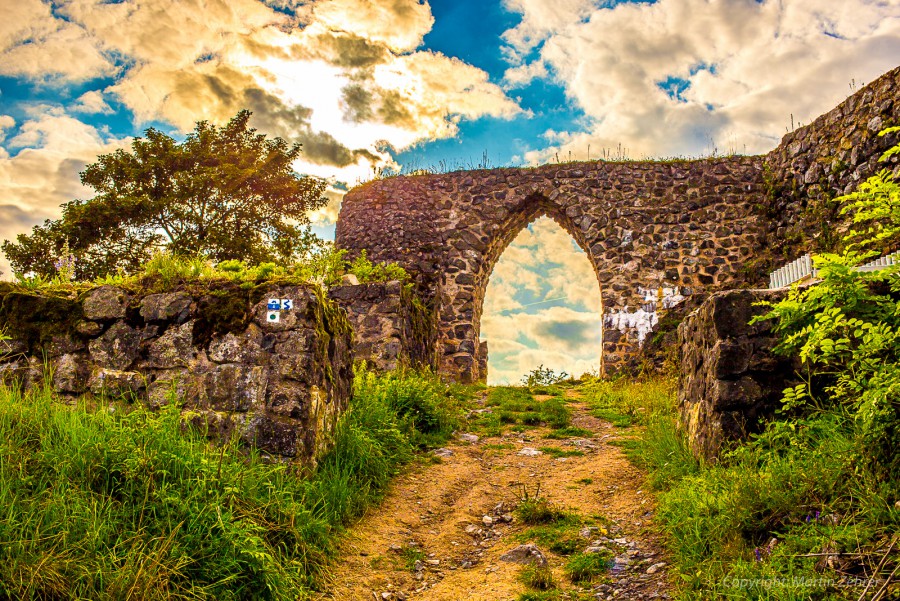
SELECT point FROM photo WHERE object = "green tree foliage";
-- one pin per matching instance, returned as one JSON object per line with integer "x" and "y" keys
{"x": 846, "y": 329}
{"x": 226, "y": 193}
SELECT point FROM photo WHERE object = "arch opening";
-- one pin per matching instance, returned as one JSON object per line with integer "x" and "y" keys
{"x": 541, "y": 305}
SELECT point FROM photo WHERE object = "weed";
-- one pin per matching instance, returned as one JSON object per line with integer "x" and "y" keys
{"x": 535, "y": 509}
{"x": 411, "y": 555}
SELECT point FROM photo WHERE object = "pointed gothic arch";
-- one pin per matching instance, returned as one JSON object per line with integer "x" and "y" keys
{"x": 689, "y": 224}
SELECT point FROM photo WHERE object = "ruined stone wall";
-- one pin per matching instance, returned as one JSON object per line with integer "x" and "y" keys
{"x": 682, "y": 224}
{"x": 730, "y": 381}
{"x": 278, "y": 385}
{"x": 391, "y": 327}
{"x": 825, "y": 159}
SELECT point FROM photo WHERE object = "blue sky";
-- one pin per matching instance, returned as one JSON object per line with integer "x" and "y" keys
{"x": 387, "y": 85}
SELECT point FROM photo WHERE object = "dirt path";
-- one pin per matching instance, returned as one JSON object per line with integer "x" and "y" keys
{"x": 452, "y": 517}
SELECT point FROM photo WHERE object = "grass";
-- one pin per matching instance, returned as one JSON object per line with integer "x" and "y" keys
{"x": 569, "y": 432}
{"x": 553, "y": 595}
{"x": 560, "y": 535}
{"x": 411, "y": 555}
{"x": 799, "y": 483}
{"x": 165, "y": 270}
{"x": 558, "y": 452}
{"x": 537, "y": 577}
{"x": 515, "y": 407}
{"x": 626, "y": 402}
{"x": 112, "y": 504}
{"x": 587, "y": 567}
{"x": 539, "y": 510}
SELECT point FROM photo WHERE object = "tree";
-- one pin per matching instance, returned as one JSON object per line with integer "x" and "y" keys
{"x": 224, "y": 193}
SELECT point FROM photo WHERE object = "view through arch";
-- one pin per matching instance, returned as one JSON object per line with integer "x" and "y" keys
{"x": 542, "y": 306}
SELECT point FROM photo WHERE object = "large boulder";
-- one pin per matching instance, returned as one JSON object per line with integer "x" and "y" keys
{"x": 731, "y": 381}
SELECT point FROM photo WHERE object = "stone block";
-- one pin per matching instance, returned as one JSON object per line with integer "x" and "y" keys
{"x": 171, "y": 306}
{"x": 117, "y": 348}
{"x": 105, "y": 303}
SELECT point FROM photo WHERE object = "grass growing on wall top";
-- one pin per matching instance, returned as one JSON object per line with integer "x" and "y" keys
{"x": 120, "y": 502}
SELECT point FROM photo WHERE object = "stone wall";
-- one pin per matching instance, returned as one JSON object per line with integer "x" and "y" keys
{"x": 828, "y": 158}
{"x": 688, "y": 223}
{"x": 278, "y": 385}
{"x": 391, "y": 327}
{"x": 712, "y": 224}
{"x": 730, "y": 380}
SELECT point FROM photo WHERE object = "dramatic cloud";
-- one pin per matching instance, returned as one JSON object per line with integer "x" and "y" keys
{"x": 523, "y": 320}
{"x": 53, "y": 149}
{"x": 689, "y": 77}
{"x": 342, "y": 77}
{"x": 35, "y": 43}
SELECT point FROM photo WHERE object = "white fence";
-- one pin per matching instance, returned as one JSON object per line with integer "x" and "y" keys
{"x": 802, "y": 269}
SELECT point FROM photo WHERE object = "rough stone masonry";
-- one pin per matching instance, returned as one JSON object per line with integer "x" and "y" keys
{"x": 690, "y": 225}
{"x": 278, "y": 385}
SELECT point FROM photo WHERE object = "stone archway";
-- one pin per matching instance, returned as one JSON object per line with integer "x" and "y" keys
{"x": 689, "y": 224}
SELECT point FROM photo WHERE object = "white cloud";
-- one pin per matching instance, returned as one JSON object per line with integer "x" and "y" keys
{"x": 750, "y": 65}
{"x": 92, "y": 102}
{"x": 40, "y": 177}
{"x": 543, "y": 263}
{"x": 342, "y": 77}
{"x": 34, "y": 43}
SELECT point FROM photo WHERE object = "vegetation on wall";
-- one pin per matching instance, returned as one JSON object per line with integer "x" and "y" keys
{"x": 164, "y": 271}
{"x": 114, "y": 502}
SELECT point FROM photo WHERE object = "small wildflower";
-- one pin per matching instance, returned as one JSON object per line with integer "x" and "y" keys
{"x": 758, "y": 554}
{"x": 65, "y": 264}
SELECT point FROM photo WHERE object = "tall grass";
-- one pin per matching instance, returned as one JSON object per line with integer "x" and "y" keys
{"x": 123, "y": 503}
{"x": 764, "y": 521}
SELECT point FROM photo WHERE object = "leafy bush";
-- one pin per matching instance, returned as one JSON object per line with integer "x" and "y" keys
{"x": 816, "y": 496}
{"x": 846, "y": 329}
{"x": 543, "y": 376}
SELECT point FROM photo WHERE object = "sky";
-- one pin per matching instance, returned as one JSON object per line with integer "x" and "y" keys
{"x": 374, "y": 86}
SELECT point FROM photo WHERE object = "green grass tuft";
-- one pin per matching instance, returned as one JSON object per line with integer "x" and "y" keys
{"x": 587, "y": 567}
{"x": 537, "y": 577}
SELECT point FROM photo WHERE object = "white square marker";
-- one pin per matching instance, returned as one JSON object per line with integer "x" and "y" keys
{"x": 273, "y": 316}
